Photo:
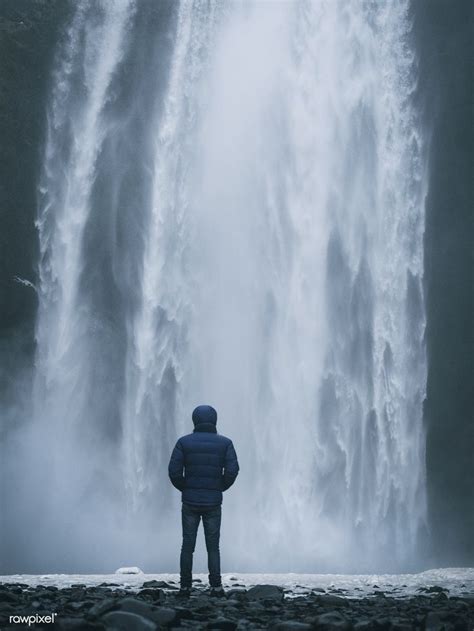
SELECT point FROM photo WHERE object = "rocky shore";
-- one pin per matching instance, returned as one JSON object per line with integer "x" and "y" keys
{"x": 157, "y": 605}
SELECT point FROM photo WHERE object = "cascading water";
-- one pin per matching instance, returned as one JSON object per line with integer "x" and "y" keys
{"x": 231, "y": 212}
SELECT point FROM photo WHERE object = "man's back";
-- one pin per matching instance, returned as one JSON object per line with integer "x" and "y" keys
{"x": 204, "y": 463}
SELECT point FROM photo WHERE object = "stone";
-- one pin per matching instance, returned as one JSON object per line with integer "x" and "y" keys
{"x": 128, "y": 621}
{"x": 331, "y": 621}
{"x": 263, "y": 592}
{"x": 134, "y": 605}
{"x": 292, "y": 625}
{"x": 363, "y": 625}
{"x": 236, "y": 593}
{"x": 222, "y": 623}
{"x": 158, "y": 584}
{"x": 399, "y": 625}
{"x": 157, "y": 595}
{"x": 102, "y": 607}
{"x": 433, "y": 622}
{"x": 165, "y": 615}
{"x": 76, "y": 624}
{"x": 329, "y": 600}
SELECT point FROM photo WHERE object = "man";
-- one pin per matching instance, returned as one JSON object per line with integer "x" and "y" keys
{"x": 202, "y": 465}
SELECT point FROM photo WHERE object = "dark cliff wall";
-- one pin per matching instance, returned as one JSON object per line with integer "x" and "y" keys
{"x": 28, "y": 33}
{"x": 29, "y": 30}
{"x": 444, "y": 33}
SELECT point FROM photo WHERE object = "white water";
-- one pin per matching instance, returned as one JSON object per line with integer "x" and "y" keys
{"x": 231, "y": 213}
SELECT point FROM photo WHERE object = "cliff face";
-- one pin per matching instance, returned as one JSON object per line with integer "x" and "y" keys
{"x": 443, "y": 32}
{"x": 29, "y": 30}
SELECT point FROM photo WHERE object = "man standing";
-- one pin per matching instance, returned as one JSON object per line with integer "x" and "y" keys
{"x": 202, "y": 465}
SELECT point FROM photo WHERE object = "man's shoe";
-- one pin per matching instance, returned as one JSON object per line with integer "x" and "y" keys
{"x": 218, "y": 592}
{"x": 184, "y": 592}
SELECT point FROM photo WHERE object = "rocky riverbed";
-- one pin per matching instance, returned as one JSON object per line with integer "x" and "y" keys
{"x": 156, "y": 604}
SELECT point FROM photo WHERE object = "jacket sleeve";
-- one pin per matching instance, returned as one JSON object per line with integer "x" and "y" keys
{"x": 176, "y": 467}
{"x": 231, "y": 467}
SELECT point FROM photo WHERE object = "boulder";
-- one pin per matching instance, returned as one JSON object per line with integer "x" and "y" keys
{"x": 134, "y": 605}
{"x": 331, "y": 621}
{"x": 329, "y": 600}
{"x": 165, "y": 615}
{"x": 433, "y": 622}
{"x": 102, "y": 607}
{"x": 127, "y": 621}
{"x": 158, "y": 585}
{"x": 157, "y": 595}
{"x": 222, "y": 623}
{"x": 265, "y": 592}
{"x": 292, "y": 625}
{"x": 76, "y": 624}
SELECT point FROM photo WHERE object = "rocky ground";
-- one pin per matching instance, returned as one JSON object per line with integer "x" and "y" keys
{"x": 157, "y": 605}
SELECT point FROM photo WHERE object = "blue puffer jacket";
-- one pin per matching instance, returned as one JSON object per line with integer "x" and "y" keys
{"x": 204, "y": 463}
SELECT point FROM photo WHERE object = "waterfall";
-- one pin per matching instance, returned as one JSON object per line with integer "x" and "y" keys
{"x": 231, "y": 211}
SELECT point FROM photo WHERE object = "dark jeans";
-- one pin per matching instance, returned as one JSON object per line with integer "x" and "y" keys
{"x": 211, "y": 519}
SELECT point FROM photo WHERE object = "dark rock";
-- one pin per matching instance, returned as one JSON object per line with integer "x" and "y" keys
{"x": 134, "y": 605}
{"x": 433, "y": 622}
{"x": 467, "y": 600}
{"x": 102, "y": 607}
{"x": 158, "y": 584}
{"x": 292, "y": 625}
{"x": 328, "y": 600}
{"x": 20, "y": 586}
{"x": 400, "y": 625}
{"x": 9, "y": 597}
{"x": 363, "y": 625}
{"x": 222, "y": 623}
{"x": 166, "y": 615}
{"x": 77, "y": 624}
{"x": 128, "y": 621}
{"x": 182, "y": 613}
{"x": 238, "y": 594}
{"x": 261, "y": 592}
{"x": 75, "y": 606}
{"x": 157, "y": 595}
{"x": 332, "y": 621}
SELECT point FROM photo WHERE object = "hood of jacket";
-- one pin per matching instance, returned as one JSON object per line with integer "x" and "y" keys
{"x": 204, "y": 415}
